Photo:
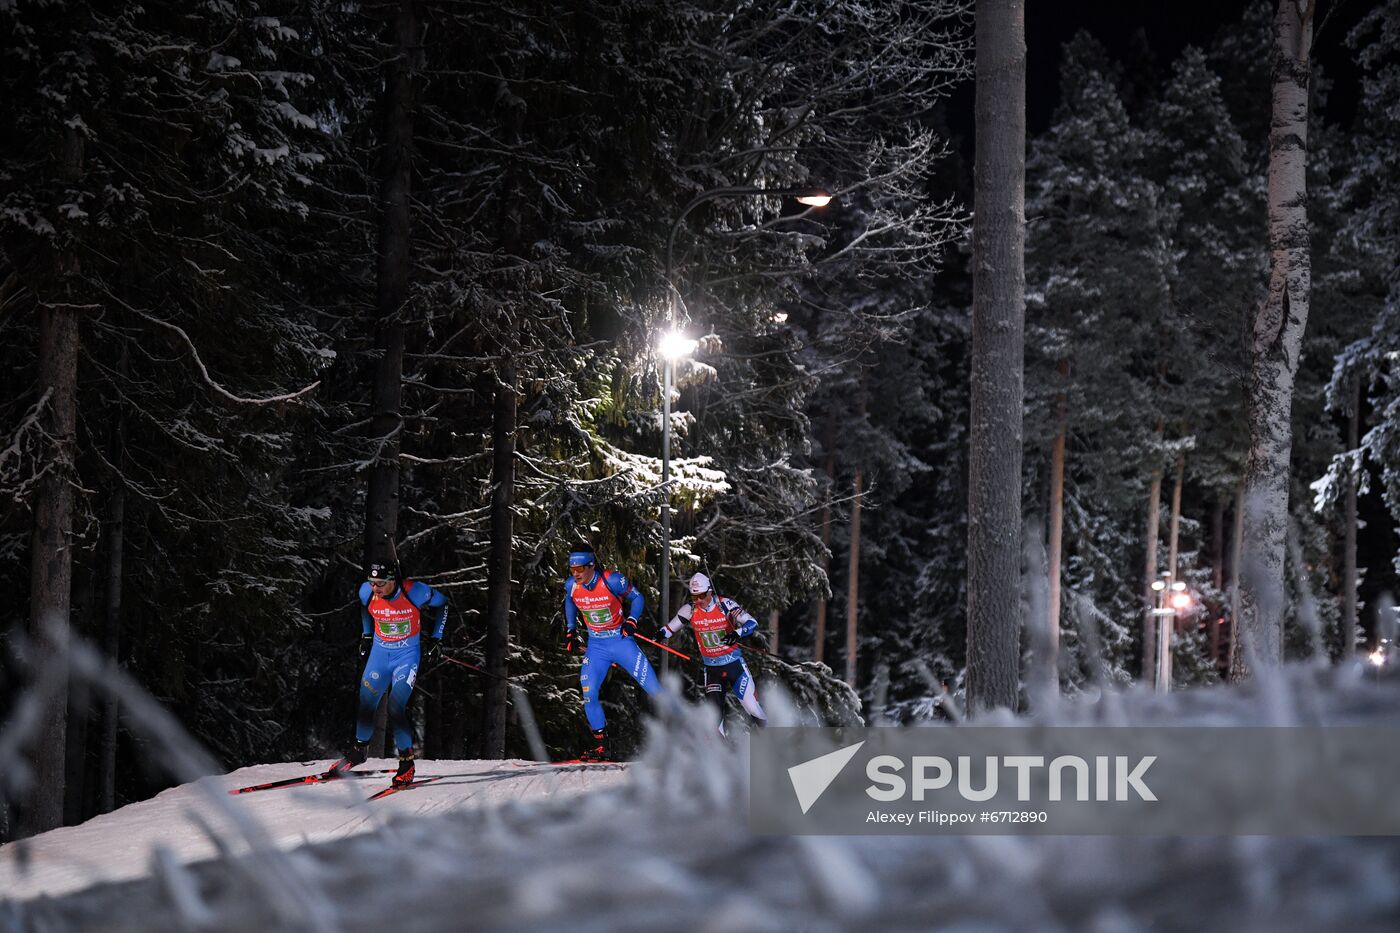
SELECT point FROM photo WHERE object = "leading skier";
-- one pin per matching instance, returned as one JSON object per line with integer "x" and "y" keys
{"x": 393, "y": 615}
{"x": 597, "y": 594}
{"x": 719, "y": 623}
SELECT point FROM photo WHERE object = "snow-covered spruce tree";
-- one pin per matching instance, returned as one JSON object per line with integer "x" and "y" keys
{"x": 1104, "y": 345}
{"x": 193, "y": 146}
{"x": 1366, "y": 254}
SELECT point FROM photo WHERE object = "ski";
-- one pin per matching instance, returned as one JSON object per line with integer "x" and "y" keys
{"x": 319, "y": 777}
{"x": 566, "y": 761}
{"x": 395, "y": 788}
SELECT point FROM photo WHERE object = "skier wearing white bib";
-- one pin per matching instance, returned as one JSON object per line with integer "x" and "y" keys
{"x": 719, "y": 623}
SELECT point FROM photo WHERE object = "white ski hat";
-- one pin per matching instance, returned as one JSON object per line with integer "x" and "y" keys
{"x": 699, "y": 584}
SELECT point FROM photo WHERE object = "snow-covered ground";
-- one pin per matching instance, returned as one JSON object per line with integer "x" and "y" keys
{"x": 666, "y": 847}
{"x": 194, "y": 821}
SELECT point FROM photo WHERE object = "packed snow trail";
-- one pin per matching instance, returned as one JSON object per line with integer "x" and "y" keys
{"x": 121, "y": 845}
{"x": 668, "y": 848}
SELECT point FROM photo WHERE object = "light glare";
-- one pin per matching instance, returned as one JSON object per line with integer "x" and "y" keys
{"x": 676, "y": 345}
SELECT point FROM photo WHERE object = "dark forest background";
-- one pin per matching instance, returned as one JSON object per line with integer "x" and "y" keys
{"x": 247, "y": 215}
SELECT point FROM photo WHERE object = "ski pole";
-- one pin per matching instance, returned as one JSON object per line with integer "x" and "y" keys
{"x": 662, "y": 647}
{"x": 771, "y": 654}
{"x": 480, "y": 670}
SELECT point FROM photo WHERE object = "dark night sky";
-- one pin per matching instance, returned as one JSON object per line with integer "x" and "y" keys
{"x": 1168, "y": 28}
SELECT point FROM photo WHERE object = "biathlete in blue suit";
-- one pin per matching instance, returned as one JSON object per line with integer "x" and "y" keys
{"x": 719, "y": 623}
{"x": 393, "y": 614}
{"x": 597, "y": 596}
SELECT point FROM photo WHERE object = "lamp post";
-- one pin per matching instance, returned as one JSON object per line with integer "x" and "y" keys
{"x": 676, "y": 345}
{"x": 1171, "y": 598}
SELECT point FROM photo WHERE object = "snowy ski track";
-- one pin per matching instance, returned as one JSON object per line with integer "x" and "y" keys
{"x": 664, "y": 846}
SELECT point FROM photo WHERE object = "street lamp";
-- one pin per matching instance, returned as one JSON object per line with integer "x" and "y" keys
{"x": 676, "y": 345}
{"x": 1171, "y": 598}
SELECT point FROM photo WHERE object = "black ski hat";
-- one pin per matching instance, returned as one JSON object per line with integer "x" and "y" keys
{"x": 380, "y": 572}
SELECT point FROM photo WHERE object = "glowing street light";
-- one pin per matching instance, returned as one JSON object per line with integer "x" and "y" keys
{"x": 676, "y": 345}
{"x": 815, "y": 199}
{"x": 1181, "y": 601}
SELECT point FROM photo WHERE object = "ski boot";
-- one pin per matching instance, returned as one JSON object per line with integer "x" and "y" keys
{"x": 354, "y": 757}
{"x": 406, "y": 768}
{"x": 600, "y": 751}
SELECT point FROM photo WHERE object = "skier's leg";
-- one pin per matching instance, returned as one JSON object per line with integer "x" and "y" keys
{"x": 630, "y": 658}
{"x": 747, "y": 692}
{"x": 591, "y": 675}
{"x": 714, "y": 691}
{"x": 405, "y": 675}
{"x": 373, "y": 682}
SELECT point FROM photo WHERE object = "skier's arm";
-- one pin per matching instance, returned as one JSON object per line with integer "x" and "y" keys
{"x": 434, "y": 604}
{"x": 626, "y": 592}
{"x": 744, "y": 624}
{"x": 366, "y": 620}
{"x": 678, "y": 621}
{"x": 570, "y": 610}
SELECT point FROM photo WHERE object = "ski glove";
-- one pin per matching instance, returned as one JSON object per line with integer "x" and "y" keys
{"x": 664, "y": 632}
{"x": 629, "y": 627}
{"x": 731, "y": 639}
{"x": 570, "y": 642}
{"x": 366, "y": 643}
{"x": 433, "y": 650}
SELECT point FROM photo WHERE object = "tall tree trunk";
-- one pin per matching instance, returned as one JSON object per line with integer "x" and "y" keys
{"x": 774, "y": 619}
{"x": 853, "y": 584}
{"x": 1217, "y": 554}
{"x": 79, "y": 699}
{"x": 498, "y": 568}
{"x": 393, "y": 274}
{"x": 1349, "y": 580}
{"x": 1174, "y": 524}
{"x": 1277, "y": 341}
{"x": 1149, "y": 624}
{"x": 112, "y": 616}
{"x": 503, "y": 442}
{"x": 51, "y": 547}
{"x": 1236, "y": 561}
{"x": 819, "y": 636}
{"x": 1057, "y": 522}
{"x": 998, "y": 322}
{"x": 1173, "y": 552}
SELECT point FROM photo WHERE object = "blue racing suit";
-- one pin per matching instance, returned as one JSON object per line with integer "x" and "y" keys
{"x": 599, "y": 602}
{"x": 396, "y": 621}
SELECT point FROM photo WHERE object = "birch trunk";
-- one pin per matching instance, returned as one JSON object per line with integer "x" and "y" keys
{"x": 1276, "y": 343}
{"x": 998, "y": 318}
{"x": 853, "y": 584}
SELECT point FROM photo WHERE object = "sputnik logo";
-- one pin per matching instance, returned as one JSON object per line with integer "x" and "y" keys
{"x": 811, "y": 778}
